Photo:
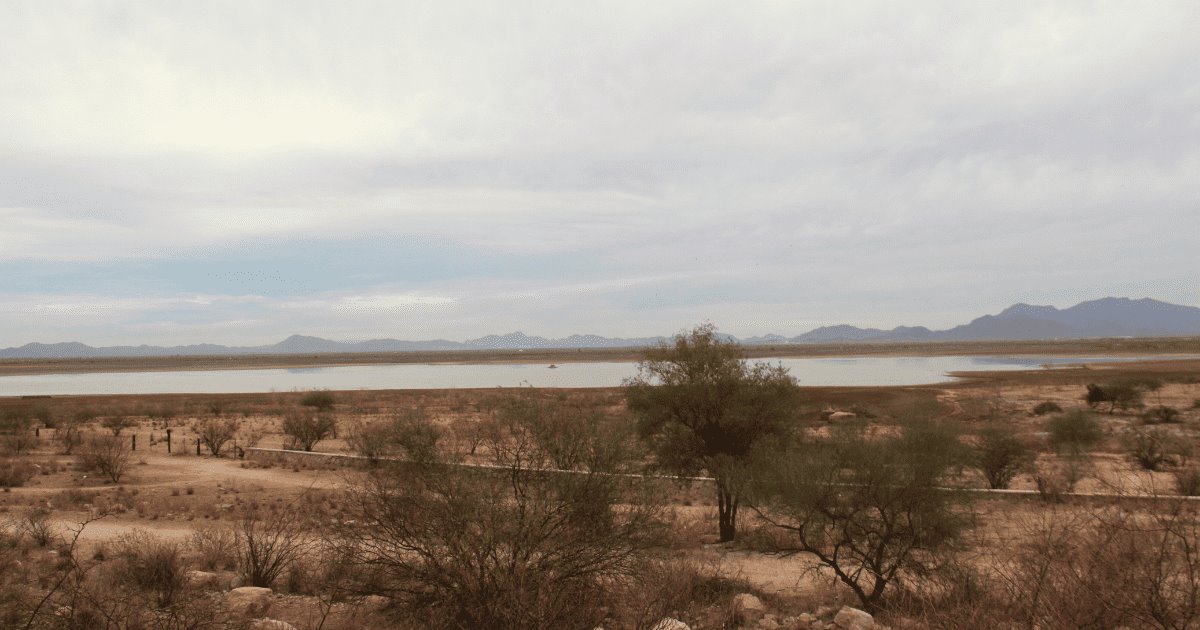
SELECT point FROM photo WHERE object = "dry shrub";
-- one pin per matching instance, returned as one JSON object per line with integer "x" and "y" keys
{"x": 14, "y": 472}
{"x": 688, "y": 590}
{"x": 106, "y": 454}
{"x": 1106, "y": 568}
{"x": 215, "y": 548}
{"x": 36, "y": 524}
{"x": 151, "y": 565}
{"x": 269, "y": 541}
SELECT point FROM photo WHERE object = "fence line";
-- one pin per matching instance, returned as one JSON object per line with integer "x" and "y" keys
{"x": 985, "y": 491}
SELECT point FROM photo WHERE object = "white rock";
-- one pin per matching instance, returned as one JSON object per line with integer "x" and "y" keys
{"x": 249, "y": 601}
{"x": 747, "y": 608}
{"x": 271, "y": 624}
{"x": 200, "y": 579}
{"x": 853, "y": 619}
{"x": 839, "y": 416}
{"x": 667, "y": 623}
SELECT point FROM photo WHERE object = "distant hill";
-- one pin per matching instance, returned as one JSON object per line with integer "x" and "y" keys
{"x": 1106, "y": 317}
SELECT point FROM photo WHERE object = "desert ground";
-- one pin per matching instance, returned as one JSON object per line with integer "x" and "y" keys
{"x": 65, "y": 506}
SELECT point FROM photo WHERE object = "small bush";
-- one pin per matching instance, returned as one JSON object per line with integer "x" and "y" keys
{"x": 1162, "y": 414}
{"x": 14, "y": 473}
{"x": 1148, "y": 448}
{"x": 1119, "y": 395}
{"x": 1046, "y": 407}
{"x": 36, "y": 525}
{"x": 319, "y": 400}
{"x": 106, "y": 454}
{"x": 215, "y": 432}
{"x": 152, "y": 565}
{"x": 306, "y": 429}
{"x": 1076, "y": 431}
{"x": 1187, "y": 481}
{"x": 1001, "y": 456}
{"x": 215, "y": 548}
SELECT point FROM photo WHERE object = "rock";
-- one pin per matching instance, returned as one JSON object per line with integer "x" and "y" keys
{"x": 271, "y": 624}
{"x": 200, "y": 579}
{"x": 667, "y": 623}
{"x": 235, "y": 582}
{"x": 825, "y": 611}
{"x": 376, "y": 602}
{"x": 768, "y": 622}
{"x": 249, "y": 601}
{"x": 839, "y": 416}
{"x": 853, "y": 619}
{"x": 747, "y": 608}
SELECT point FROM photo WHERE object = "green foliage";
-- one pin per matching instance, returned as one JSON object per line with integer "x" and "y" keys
{"x": 1001, "y": 456}
{"x": 1076, "y": 431}
{"x": 701, "y": 407}
{"x": 320, "y": 400}
{"x": 1046, "y": 407}
{"x": 871, "y": 508}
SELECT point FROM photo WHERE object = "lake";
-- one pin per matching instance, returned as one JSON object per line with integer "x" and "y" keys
{"x": 867, "y": 371}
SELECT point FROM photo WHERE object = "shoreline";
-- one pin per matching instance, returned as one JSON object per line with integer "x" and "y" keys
{"x": 1164, "y": 347}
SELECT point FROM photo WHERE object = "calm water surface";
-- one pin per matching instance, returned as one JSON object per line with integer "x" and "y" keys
{"x": 813, "y": 371}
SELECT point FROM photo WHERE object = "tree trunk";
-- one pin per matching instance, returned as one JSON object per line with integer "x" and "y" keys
{"x": 727, "y": 505}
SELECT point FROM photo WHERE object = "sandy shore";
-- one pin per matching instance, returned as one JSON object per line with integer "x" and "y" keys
{"x": 1161, "y": 346}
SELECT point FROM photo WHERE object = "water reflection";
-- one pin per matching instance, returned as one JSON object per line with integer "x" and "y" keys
{"x": 866, "y": 371}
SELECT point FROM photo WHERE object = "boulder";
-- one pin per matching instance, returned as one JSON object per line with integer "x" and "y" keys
{"x": 249, "y": 601}
{"x": 375, "y": 602}
{"x": 839, "y": 416}
{"x": 667, "y": 623}
{"x": 747, "y": 608}
{"x": 271, "y": 624}
{"x": 200, "y": 579}
{"x": 853, "y": 619}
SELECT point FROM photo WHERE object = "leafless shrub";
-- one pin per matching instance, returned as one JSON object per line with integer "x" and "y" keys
{"x": 16, "y": 433}
{"x": 267, "y": 542}
{"x": 215, "y": 548}
{"x": 215, "y": 432}
{"x": 14, "y": 473}
{"x": 36, "y": 524}
{"x": 519, "y": 546}
{"x": 117, "y": 424}
{"x": 152, "y": 565}
{"x": 306, "y": 429}
{"x": 106, "y": 454}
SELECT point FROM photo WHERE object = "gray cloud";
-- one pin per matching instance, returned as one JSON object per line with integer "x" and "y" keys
{"x": 768, "y": 165}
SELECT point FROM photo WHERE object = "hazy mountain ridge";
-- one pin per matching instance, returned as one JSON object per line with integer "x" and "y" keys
{"x": 1106, "y": 317}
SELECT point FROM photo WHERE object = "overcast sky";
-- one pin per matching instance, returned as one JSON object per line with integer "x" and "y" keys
{"x": 181, "y": 172}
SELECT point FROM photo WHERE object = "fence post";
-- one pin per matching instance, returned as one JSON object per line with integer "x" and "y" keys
{"x": 133, "y": 441}
{"x": 168, "y": 441}
{"x": 197, "y": 447}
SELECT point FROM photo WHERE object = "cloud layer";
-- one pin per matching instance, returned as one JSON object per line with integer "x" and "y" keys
{"x": 232, "y": 172}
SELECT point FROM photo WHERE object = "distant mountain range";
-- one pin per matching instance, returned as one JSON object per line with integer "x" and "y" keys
{"x": 1107, "y": 317}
